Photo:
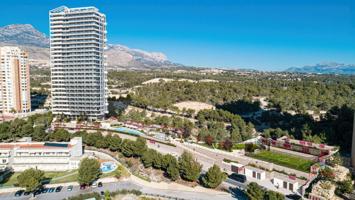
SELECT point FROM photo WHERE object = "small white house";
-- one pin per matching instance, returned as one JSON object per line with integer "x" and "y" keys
{"x": 255, "y": 173}
{"x": 285, "y": 182}
{"x": 237, "y": 168}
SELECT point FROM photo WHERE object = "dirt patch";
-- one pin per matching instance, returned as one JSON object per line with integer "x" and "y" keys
{"x": 157, "y": 80}
{"x": 194, "y": 105}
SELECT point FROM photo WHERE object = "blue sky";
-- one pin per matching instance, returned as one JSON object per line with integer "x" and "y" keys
{"x": 259, "y": 34}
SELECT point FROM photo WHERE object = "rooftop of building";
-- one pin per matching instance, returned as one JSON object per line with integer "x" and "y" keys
{"x": 288, "y": 178}
{"x": 73, "y": 10}
{"x": 324, "y": 189}
{"x": 28, "y": 144}
{"x": 306, "y": 143}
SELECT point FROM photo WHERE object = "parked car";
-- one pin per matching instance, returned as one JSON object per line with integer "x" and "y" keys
{"x": 94, "y": 184}
{"x": 58, "y": 189}
{"x": 293, "y": 197}
{"x": 19, "y": 193}
{"x": 99, "y": 184}
{"x": 238, "y": 177}
{"x": 37, "y": 192}
{"x": 50, "y": 190}
{"x": 44, "y": 190}
{"x": 26, "y": 193}
{"x": 82, "y": 187}
{"x": 70, "y": 188}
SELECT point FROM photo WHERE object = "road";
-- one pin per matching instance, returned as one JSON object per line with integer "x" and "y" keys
{"x": 129, "y": 185}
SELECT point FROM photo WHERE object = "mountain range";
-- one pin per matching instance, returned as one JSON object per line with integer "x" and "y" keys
{"x": 118, "y": 56}
{"x": 325, "y": 68}
{"x": 122, "y": 57}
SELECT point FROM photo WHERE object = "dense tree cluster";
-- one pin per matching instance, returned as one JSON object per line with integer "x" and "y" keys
{"x": 223, "y": 127}
{"x": 335, "y": 128}
{"x": 240, "y": 107}
{"x": 316, "y": 93}
{"x": 35, "y": 127}
{"x": 186, "y": 167}
{"x": 176, "y": 122}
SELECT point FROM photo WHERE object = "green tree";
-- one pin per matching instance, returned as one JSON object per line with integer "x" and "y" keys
{"x": 327, "y": 174}
{"x": 173, "y": 171}
{"x": 167, "y": 160}
{"x": 4, "y": 131}
{"x": 254, "y": 191}
{"x": 235, "y": 135}
{"x": 30, "y": 179}
{"x": 60, "y": 135}
{"x": 89, "y": 171}
{"x": 115, "y": 143}
{"x": 213, "y": 177}
{"x": 147, "y": 158}
{"x": 26, "y": 130}
{"x": 190, "y": 169}
{"x": 127, "y": 148}
{"x": 157, "y": 160}
{"x": 271, "y": 195}
{"x": 345, "y": 186}
{"x": 39, "y": 133}
{"x": 107, "y": 195}
{"x": 139, "y": 147}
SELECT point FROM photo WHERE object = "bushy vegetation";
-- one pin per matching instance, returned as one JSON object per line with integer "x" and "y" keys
{"x": 31, "y": 179}
{"x": 176, "y": 122}
{"x": 255, "y": 192}
{"x": 312, "y": 93}
{"x": 214, "y": 177}
{"x": 223, "y": 128}
{"x": 35, "y": 126}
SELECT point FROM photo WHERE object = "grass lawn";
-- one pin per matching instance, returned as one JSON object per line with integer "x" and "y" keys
{"x": 52, "y": 177}
{"x": 284, "y": 160}
{"x": 238, "y": 146}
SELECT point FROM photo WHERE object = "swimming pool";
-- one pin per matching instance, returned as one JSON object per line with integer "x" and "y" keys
{"x": 107, "y": 167}
{"x": 129, "y": 131}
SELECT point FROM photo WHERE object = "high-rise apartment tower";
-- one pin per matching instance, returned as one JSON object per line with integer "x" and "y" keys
{"x": 14, "y": 80}
{"x": 78, "y": 68}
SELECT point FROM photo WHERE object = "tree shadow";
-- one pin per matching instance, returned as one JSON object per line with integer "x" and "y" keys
{"x": 237, "y": 193}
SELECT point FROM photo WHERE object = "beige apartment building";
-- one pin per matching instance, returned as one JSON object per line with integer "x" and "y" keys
{"x": 14, "y": 80}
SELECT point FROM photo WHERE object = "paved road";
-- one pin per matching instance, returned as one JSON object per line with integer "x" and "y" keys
{"x": 172, "y": 194}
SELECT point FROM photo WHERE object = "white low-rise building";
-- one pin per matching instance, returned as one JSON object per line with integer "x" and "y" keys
{"x": 254, "y": 172}
{"x": 286, "y": 182}
{"x": 47, "y": 156}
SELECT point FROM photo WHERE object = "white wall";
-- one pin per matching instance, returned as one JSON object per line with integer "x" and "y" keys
{"x": 249, "y": 173}
{"x": 280, "y": 184}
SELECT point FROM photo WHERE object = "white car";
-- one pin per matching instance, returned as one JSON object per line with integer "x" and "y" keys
{"x": 94, "y": 184}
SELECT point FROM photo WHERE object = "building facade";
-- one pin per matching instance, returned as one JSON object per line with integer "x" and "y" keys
{"x": 77, "y": 60}
{"x": 14, "y": 80}
{"x": 47, "y": 156}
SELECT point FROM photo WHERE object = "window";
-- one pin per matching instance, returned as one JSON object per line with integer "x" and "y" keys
{"x": 285, "y": 185}
{"x": 258, "y": 176}
{"x": 254, "y": 174}
{"x": 290, "y": 186}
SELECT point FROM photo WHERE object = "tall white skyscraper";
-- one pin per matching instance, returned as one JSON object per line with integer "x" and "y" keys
{"x": 78, "y": 68}
{"x": 14, "y": 80}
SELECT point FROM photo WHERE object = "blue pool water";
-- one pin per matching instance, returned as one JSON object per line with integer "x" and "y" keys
{"x": 108, "y": 167}
{"x": 129, "y": 131}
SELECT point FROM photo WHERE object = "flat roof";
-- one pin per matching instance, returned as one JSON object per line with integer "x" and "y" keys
{"x": 255, "y": 169}
{"x": 42, "y": 145}
{"x": 288, "y": 178}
